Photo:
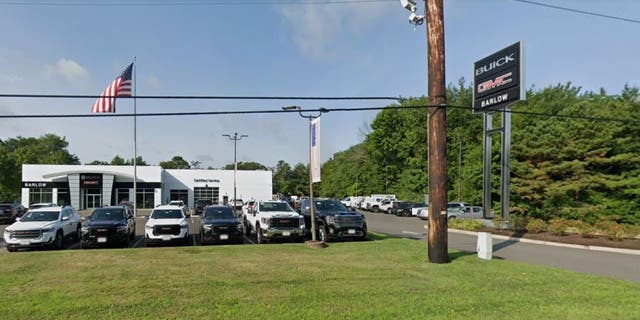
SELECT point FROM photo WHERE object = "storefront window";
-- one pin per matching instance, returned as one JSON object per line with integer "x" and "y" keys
{"x": 206, "y": 193}
{"x": 145, "y": 198}
{"x": 179, "y": 194}
{"x": 64, "y": 198}
{"x": 39, "y": 195}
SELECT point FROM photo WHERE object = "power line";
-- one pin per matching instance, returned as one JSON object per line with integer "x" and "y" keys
{"x": 578, "y": 11}
{"x": 325, "y": 110}
{"x": 73, "y": 96}
{"x": 184, "y": 3}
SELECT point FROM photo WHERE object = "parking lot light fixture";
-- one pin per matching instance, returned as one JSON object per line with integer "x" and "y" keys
{"x": 235, "y": 139}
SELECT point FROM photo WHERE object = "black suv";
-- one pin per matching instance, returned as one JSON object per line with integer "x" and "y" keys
{"x": 108, "y": 226}
{"x": 200, "y": 205}
{"x": 334, "y": 220}
{"x": 10, "y": 211}
{"x": 220, "y": 225}
{"x": 403, "y": 208}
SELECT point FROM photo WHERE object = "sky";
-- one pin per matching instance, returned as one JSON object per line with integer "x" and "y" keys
{"x": 276, "y": 48}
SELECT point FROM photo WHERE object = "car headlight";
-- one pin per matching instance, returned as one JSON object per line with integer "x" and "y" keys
{"x": 122, "y": 228}
{"x": 148, "y": 227}
{"x": 184, "y": 226}
{"x": 239, "y": 226}
{"x": 330, "y": 219}
{"x": 10, "y": 232}
{"x": 206, "y": 227}
{"x": 48, "y": 230}
{"x": 265, "y": 221}
{"x": 84, "y": 229}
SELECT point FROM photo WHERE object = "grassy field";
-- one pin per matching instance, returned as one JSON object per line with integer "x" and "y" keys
{"x": 383, "y": 279}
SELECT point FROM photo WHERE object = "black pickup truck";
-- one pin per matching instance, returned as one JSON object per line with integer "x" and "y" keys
{"x": 333, "y": 220}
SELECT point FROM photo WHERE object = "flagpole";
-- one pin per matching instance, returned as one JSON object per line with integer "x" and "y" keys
{"x": 135, "y": 141}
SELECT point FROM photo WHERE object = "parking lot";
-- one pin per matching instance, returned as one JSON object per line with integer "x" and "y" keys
{"x": 138, "y": 242}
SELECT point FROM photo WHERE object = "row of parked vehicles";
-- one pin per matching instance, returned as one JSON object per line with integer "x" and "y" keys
{"x": 48, "y": 227}
{"x": 387, "y": 203}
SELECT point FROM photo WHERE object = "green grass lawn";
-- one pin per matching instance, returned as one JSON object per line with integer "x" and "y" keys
{"x": 382, "y": 279}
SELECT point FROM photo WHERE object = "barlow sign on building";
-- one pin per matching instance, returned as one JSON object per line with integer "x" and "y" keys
{"x": 497, "y": 79}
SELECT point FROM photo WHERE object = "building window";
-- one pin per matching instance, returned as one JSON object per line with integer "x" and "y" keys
{"x": 40, "y": 195}
{"x": 145, "y": 198}
{"x": 206, "y": 193}
{"x": 179, "y": 194}
{"x": 122, "y": 195}
{"x": 64, "y": 199}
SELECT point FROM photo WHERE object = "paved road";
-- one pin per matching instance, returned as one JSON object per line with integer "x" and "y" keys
{"x": 617, "y": 265}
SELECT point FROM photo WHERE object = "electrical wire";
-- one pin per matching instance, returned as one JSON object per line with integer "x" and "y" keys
{"x": 72, "y": 96}
{"x": 184, "y": 3}
{"x": 578, "y": 11}
{"x": 321, "y": 110}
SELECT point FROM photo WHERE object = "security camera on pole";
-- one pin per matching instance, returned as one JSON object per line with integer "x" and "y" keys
{"x": 437, "y": 134}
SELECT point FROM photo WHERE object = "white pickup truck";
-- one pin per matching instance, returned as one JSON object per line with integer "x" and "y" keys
{"x": 374, "y": 202}
{"x": 43, "y": 227}
{"x": 274, "y": 220}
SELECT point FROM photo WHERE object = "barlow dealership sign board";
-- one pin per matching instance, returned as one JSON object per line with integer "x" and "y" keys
{"x": 497, "y": 79}
{"x": 315, "y": 150}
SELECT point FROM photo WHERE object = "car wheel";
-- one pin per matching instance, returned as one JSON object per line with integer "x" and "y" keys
{"x": 186, "y": 240}
{"x": 76, "y": 236}
{"x": 247, "y": 229}
{"x": 375, "y": 209}
{"x": 322, "y": 234}
{"x": 58, "y": 241}
{"x": 11, "y": 249}
{"x": 259, "y": 237}
{"x": 451, "y": 218}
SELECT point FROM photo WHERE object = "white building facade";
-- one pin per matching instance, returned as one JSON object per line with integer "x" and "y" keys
{"x": 89, "y": 186}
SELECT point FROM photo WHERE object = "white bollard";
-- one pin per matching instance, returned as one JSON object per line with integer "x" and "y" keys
{"x": 485, "y": 245}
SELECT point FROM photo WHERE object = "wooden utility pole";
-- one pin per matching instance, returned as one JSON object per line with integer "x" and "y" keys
{"x": 437, "y": 135}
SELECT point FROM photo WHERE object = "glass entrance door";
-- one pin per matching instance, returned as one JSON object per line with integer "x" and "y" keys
{"x": 93, "y": 198}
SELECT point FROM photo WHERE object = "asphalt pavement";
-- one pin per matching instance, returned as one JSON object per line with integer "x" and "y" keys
{"x": 615, "y": 265}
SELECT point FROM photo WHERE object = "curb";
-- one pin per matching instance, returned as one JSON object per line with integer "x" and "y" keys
{"x": 550, "y": 243}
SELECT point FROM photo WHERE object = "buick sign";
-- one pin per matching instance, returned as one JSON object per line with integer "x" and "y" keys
{"x": 497, "y": 79}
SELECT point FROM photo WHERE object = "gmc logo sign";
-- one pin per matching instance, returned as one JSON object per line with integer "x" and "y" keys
{"x": 494, "y": 83}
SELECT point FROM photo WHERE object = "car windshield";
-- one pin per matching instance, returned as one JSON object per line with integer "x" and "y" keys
{"x": 275, "y": 206}
{"x": 401, "y": 205}
{"x": 219, "y": 213}
{"x": 166, "y": 214}
{"x": 107, "y": 215}
{"x": 330, "y": 206}
{"x": 41, "y": 216}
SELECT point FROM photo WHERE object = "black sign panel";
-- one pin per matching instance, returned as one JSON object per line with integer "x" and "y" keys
{"x": 45, "y": 184}
{"x": 91, "y": 179}
{"x": 497, "y": 79}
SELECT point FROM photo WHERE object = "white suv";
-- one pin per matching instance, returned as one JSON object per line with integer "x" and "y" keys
{"x": 274, "y": 220}
{"x": 43, "y": 227}
{"x": 167, "y": 224}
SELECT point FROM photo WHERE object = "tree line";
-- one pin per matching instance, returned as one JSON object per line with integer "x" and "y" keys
{"x": 574, "y": 155}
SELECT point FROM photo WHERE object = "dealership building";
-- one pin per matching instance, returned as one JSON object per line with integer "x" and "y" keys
{"x": 89, "y": 186}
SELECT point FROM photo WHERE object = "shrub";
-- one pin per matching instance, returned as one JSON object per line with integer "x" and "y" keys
{"x": 498, "y": 222}
{"x": 517, "y": 223}
{"x": 616, "y": 231}
{"x": 588, "y": 231}
{"x": 558, "y": 226}
{"x": 536, "y": 225}
{"x": 465, "y": 224}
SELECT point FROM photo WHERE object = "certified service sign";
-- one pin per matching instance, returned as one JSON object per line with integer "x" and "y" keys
{"x": 497, "y": 79}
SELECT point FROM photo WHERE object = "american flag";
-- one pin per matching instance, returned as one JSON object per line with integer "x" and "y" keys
{"x": 120, "y": 87}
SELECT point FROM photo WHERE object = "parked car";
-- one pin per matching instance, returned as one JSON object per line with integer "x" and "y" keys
{"x": 42, "y": 205}
{"x": 107, "y": 226}
{"x": 247, "y": 207}
{"x": 236, "y": 204}
{"x": 178, "y": 203}
{"x": 456, "y": 205}
{"x": 167, "y": 224}
{"x": 467, "y": 212}
{"x": 198, "y": 207}
{"x": 220, "y": 224}
{"x": 274, "y": 220}
{"x": 403, "y": 208}
{"x": 43, "y": 228}
{"x": 10, "y": 211}
{"x": 334, "y": 220}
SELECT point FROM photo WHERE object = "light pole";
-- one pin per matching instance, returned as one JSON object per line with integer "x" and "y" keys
{"x": 311, "y": 205}
{"x": 235, "y": 139}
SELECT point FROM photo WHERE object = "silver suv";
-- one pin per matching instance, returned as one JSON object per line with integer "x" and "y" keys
{"x": 43, "y": 227}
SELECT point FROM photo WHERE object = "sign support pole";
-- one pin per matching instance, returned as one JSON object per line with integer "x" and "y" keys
{"x": 506, "y": 165}
{"x": 486, "y": 167}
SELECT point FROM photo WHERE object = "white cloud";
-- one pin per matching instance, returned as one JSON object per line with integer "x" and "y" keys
{"x": 66, "y": 68}
{"x": 317, "y": 29}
